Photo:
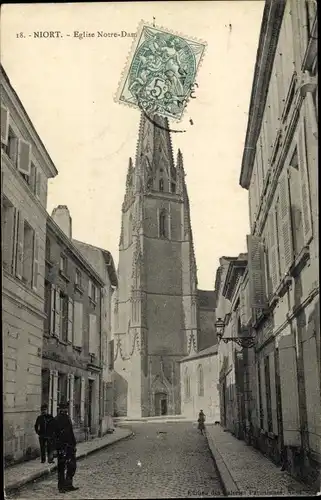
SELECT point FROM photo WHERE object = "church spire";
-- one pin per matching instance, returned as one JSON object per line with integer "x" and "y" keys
{"x": 154, "y": 155}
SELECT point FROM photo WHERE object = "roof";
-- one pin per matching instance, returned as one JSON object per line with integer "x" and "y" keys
{"x": 270, "y": 27}
{"x": 73, "y": 249}
{"x": 209, "y": 351}
{"x": 43, "y": 150}
{"x": 206, "y": 299}
{"x": 108, "y": 260}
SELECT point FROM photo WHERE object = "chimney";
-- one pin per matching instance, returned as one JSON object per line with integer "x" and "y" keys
{"x": 61, "y": 216}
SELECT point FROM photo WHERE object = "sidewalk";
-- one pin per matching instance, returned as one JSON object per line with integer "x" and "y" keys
{"x": 26, "y": 472}
{"x": 244, "y": 471}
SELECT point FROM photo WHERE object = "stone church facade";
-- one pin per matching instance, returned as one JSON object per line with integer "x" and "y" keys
{"x": 155, "y": 306}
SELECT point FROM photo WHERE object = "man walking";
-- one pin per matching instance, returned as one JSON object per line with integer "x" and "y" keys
{"x": 65, "y": 444}
{"x": 43, "y": 428}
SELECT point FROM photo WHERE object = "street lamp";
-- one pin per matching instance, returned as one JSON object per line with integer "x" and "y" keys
{"x": 244, "y": 342}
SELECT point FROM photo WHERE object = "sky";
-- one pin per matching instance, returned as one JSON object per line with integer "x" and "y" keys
{"x": 67, "y": 86}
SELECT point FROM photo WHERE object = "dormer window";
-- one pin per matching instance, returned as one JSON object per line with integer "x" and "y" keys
{"x": 161, "y": 185}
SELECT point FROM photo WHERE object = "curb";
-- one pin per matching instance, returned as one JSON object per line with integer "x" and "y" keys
{"x": 230, "y": 488}
{"x": 45, "y": 472}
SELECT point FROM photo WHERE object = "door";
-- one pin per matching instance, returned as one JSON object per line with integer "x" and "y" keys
{"x": 160, "y": 403}
{"x": 164, "y": 406}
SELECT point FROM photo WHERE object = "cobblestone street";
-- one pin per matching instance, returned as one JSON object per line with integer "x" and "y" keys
{"x": 160, "y": 460}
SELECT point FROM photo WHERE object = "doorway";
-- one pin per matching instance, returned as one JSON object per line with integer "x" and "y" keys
{"x": 161, "y": 403}
{"x": 90, "y": 400}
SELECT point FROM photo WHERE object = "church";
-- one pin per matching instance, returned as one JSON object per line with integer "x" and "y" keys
{"x": 156, "y": 317}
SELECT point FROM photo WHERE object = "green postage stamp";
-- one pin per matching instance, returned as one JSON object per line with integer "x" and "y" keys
{"x": 160, "y": 74}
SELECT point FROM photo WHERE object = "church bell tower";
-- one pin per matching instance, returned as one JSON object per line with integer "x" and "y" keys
{"x": 155, "y": 307}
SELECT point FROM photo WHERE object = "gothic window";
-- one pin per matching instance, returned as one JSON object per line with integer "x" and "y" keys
{"x": 200, "y": 380}
{"x": 161, "y": 185}
{"x": 162, "y": 224}
{"x": 187, "y": 384}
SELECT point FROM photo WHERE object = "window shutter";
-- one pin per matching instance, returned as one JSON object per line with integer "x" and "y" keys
{"x": 289, "y": 389}
{"x": 71, "y": 380}
{"x": 57, "y": 312}
{"x": 253, "y": 200}
{"x": 35, "y": 262}
{"x": 273, "y": 250}
{"x": 256, "y": 272}
{"x": 54, "y": 392}
{"x": 70, "y": 319}
{"x": 93, "y": 334}
{"x": 24, "y": 163}
{"x": 38, "y": 183}
{"x": 285, "y": 243}
{"x": 4, "y": 124}
{"x": 90, "y": 288}
{"x": 52, "y": 309}
{"x": 242, "y": 306}
{"x": 273, "y": 393}
{"x": 78, "y": 324}
{"x": 305, "y": 191}
{"x": 20, "y": 237}
{"x": 14, "y": 239}
{"x": 82, "y": 399}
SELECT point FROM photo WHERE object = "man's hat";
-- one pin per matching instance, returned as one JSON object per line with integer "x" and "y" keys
{"x": 63, "y": 405}
{"x": 44, "y": 407}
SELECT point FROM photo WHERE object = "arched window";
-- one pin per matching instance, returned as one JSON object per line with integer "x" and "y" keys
{"x": 161, "y": 184}
{"x": 200, "y": 380}
{"x": 162, "y": 224}
{"x": 187, "y": 389}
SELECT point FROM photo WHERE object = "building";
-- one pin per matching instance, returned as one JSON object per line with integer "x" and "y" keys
{"x": 156, "y": 304}
{"x": 279, "y": 169}
{"x": 199, "y": 370}
{"x": 103, "y": 263}
{"x": 73, "y": 349}
{"x": 25, "y": 169}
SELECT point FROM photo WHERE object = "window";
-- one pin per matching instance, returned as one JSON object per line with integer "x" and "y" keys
{"x": 11, "y": 148}
{"x": 200, "y": 380}
{"x": 173, "y": 187}
{"x": 63, "y": 264}
{"x": 187, "y": 384}
{"x": 28, "y": 251}
{"x": 33, "y": 178}
{"x": 296, "y": 210}
{"x": 8, "y": 226}
{"x": 92, "y": 292}
{"x": 62, "y": 392}
{"x": 277, "y": 227}
{"x": 162, "y": 224}
{"x": 161, "y": 185}
{"x": 63, "y": 317}
{"x": 78, "y": 278}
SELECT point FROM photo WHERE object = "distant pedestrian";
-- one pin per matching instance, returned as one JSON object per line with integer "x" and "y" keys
{"x": 65, "y": 444}
{"x": 43, "y": 428}
{"x": 201, "y": 421}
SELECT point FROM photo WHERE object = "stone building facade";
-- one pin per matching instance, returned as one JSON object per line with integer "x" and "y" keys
{"x": 156, "y": 304}
{"x": 25, "y": 169}
{"x": 72, "y": 348}
{"x": 279, "y": 169}
{"x": 103, "y": 263}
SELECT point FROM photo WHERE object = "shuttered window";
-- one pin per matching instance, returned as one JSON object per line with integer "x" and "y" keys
{"x": 273, "y": 251}
{"x": 4, "y": 124}
{"x": 57, "y": 312}
{"x": 24, "y": 163}
{"x": 78, "y": 324}
{"x": 35, "y": 277}
{"x": 285, "y": 224}
{"x": 93, "y": 337}
{"x": 289, "y": 389}
{"x": 70, "y": 320}
{"x": 257, "y": 288}
{"x": 305, "y": 188}
{"x": 8, "y": 233}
